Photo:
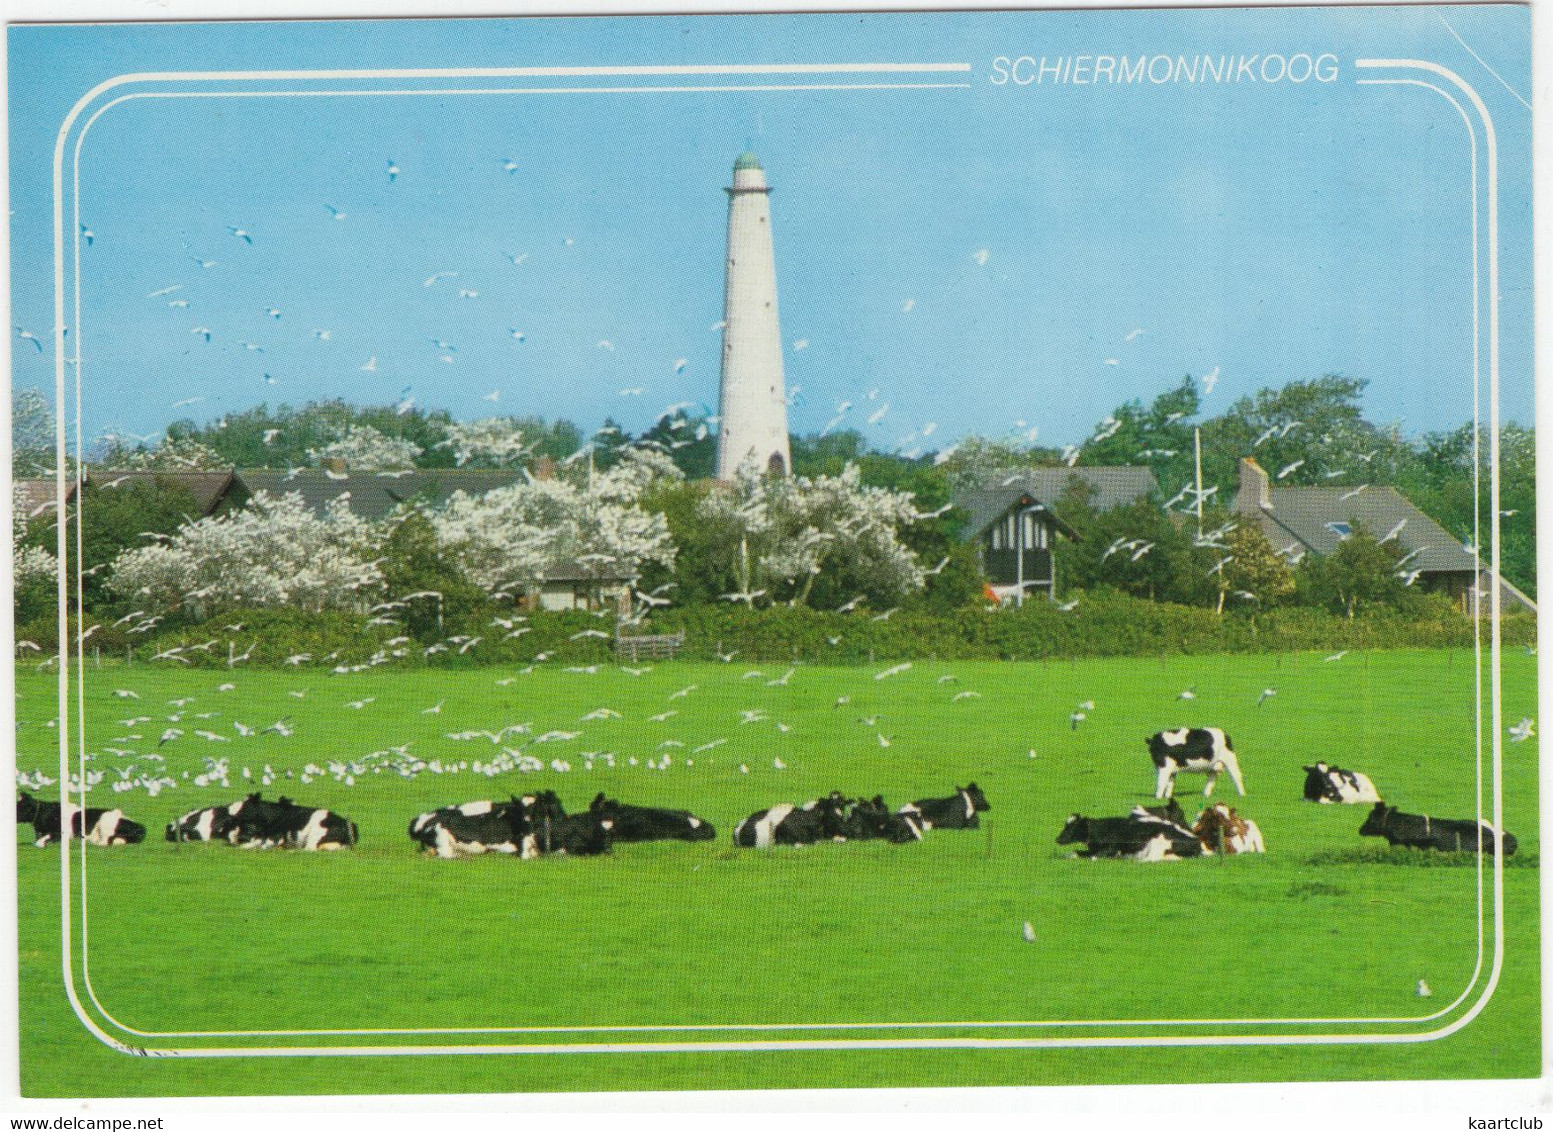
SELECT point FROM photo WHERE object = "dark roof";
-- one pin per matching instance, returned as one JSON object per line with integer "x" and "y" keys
{"x": 1300, "y": 515}
{"x": 1108, "y": 486}
{"x": 372, "y": 494}
{"x": 207, "y": 487}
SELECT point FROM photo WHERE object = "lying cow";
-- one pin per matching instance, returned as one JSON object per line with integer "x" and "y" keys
{"x": 958, "y": 811}
{"x": 1222, "y": 830}
{"x": 470, "y": 828}
{"x": 1334, "y": 784}
{"x": 646, "y": 823}
{"x": 253, "y": 823}
{"x": 1200, "y": 750}
{"x": 871, "y": 820}
{"x": 1420, "y": 832}
{"x": 529, "y": 826}
{"x": 1141, "y": 835}
{"x": 787, "y": 824}
{"x": 209, "y": 824}
{"x": 95, "y": 827}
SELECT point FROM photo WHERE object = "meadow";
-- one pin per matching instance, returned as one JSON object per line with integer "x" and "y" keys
{"x": 210, "y": 938}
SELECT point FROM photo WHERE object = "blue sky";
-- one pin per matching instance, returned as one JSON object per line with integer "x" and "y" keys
{"x": 1269, "y": 232}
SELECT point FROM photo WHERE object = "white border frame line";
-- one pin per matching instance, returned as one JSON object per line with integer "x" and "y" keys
{"x": 61, "y": 361}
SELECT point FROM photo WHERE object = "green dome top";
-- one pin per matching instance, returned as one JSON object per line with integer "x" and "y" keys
{"x": 746, "y": 160}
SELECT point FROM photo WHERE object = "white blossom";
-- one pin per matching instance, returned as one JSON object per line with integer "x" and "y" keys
{"x": 791, "y": 530}
{"x": 29, "y": 564}
{"x": 272, "y": 552}
{"x": 513, "y": 536}
{"x": 171, "y": 455}
{"x": 495, "y": 442}
{"x": 365, "y": 449}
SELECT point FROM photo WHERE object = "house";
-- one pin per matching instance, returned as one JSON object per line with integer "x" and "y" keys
{"x": 1016, "y": 522}
{"x": 574, "y": 586}
{"x": 1313, "y": 520}
{"x": 207, "y": 488}
{"x": 370, "y": 495}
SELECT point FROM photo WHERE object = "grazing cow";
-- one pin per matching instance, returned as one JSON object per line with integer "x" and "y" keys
{"x": 95, "y": 827}
{"x": 1202, "y": 750}
{"x": 646, "y": 823}
{"x": 254, "y": 823}
{"x": 1141, "y": 835}
{"x": 788, "y": 824}
{"x": 1334, "y": 784}
{"x": 1420, "y": 832}
{"x": 871, "y": 820}
{"x": 1222, "y": 830}
{"x": 958, "y": 811}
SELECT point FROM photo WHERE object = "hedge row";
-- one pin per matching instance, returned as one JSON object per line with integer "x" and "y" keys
{"x": 1097, "y": 627}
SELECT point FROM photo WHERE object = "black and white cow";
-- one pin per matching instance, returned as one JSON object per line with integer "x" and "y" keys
{"x": 472, "y": 828}
{"x": 1201, "y": 750}
{"x": 529, "y": 826}
{"x": 647, "y": 823}
{"x": 958, "y": 811}
{"x": 871, "y": 820}
{"x": 209, "y": 824}
{"x": 1420, "y": 832}
{"x": 253, "y": 823}
{"x": 95, "y": 827}
{"x": 1141, "y": 835}
{"x": 1334, "y": 784}
{"x": 788, "y": 824}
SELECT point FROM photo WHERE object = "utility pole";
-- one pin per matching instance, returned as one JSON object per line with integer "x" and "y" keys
{"x": 1197, "y": 455}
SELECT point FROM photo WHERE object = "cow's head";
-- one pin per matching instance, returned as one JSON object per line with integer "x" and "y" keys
{"x": 1375, "y": 824}
{"x": 26, "y": 808}
{"x": 1076, "y": 830}
{"x": 979, "y": 803}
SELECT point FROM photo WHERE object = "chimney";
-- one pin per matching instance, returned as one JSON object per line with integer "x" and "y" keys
{"x": 335, "y": 464}
{"x": 544, "y": 468}
{"x": 1255, "y": 492}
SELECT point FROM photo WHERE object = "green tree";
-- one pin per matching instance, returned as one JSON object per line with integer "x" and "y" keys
{"x": 1256, "y": 575}
{"x": 114, "y": 519}
{"x": 414, "y": 563}
{"x": 32, "y": 434}
{"x": 1360, "y": 574}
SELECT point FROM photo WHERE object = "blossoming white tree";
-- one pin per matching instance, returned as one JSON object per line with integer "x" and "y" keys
{"x": 783, "y": 533}
{"x": 513, "y": 536}
{"x": 273, "y": 552}
{"x": 366, "y": 449}
{"x": 31, "y": 565}
{"x": 495, "y": 442}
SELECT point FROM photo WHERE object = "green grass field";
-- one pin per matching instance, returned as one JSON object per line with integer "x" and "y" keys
{"x": 210, "y": 938}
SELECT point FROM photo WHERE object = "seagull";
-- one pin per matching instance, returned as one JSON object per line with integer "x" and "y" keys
{"x": 1188, "y": 694}
{"x": 1523, "y": 730}
{"x": 1336, "y": 656}
{"x": 336, "y": 213}
{"x": 1029, "y": 932}
{"x": 1210, "y": 380}
{"x": 432, "y": 278}
{"x": 1267, "y": 694}
{"x": 1395, "y": 531}
{"x": 1423, "y": 990}
{"x": 371, "y": 366}
{"x": 1131, "y": 334}
{"x": 1350, "y": 494}
{"x": 1075, "y": 719}
{"x": 241, "y": 234}
{"x": 981, "y": 255}
{"x": 393, "y": 170}
{"x": 1290, "y": 469}
{"x": 517, "y": 259}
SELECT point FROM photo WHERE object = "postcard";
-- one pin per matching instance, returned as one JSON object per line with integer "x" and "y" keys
{"x": 774, "y": 551}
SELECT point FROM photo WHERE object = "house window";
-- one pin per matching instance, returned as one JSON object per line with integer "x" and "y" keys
{"x": 999, "y": 542}
{"x": 1341, "y": 530}
{"x": 1035, "y": 533}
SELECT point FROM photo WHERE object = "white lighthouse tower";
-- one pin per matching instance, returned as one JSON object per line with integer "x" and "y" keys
{"x": 753, "y": 399}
